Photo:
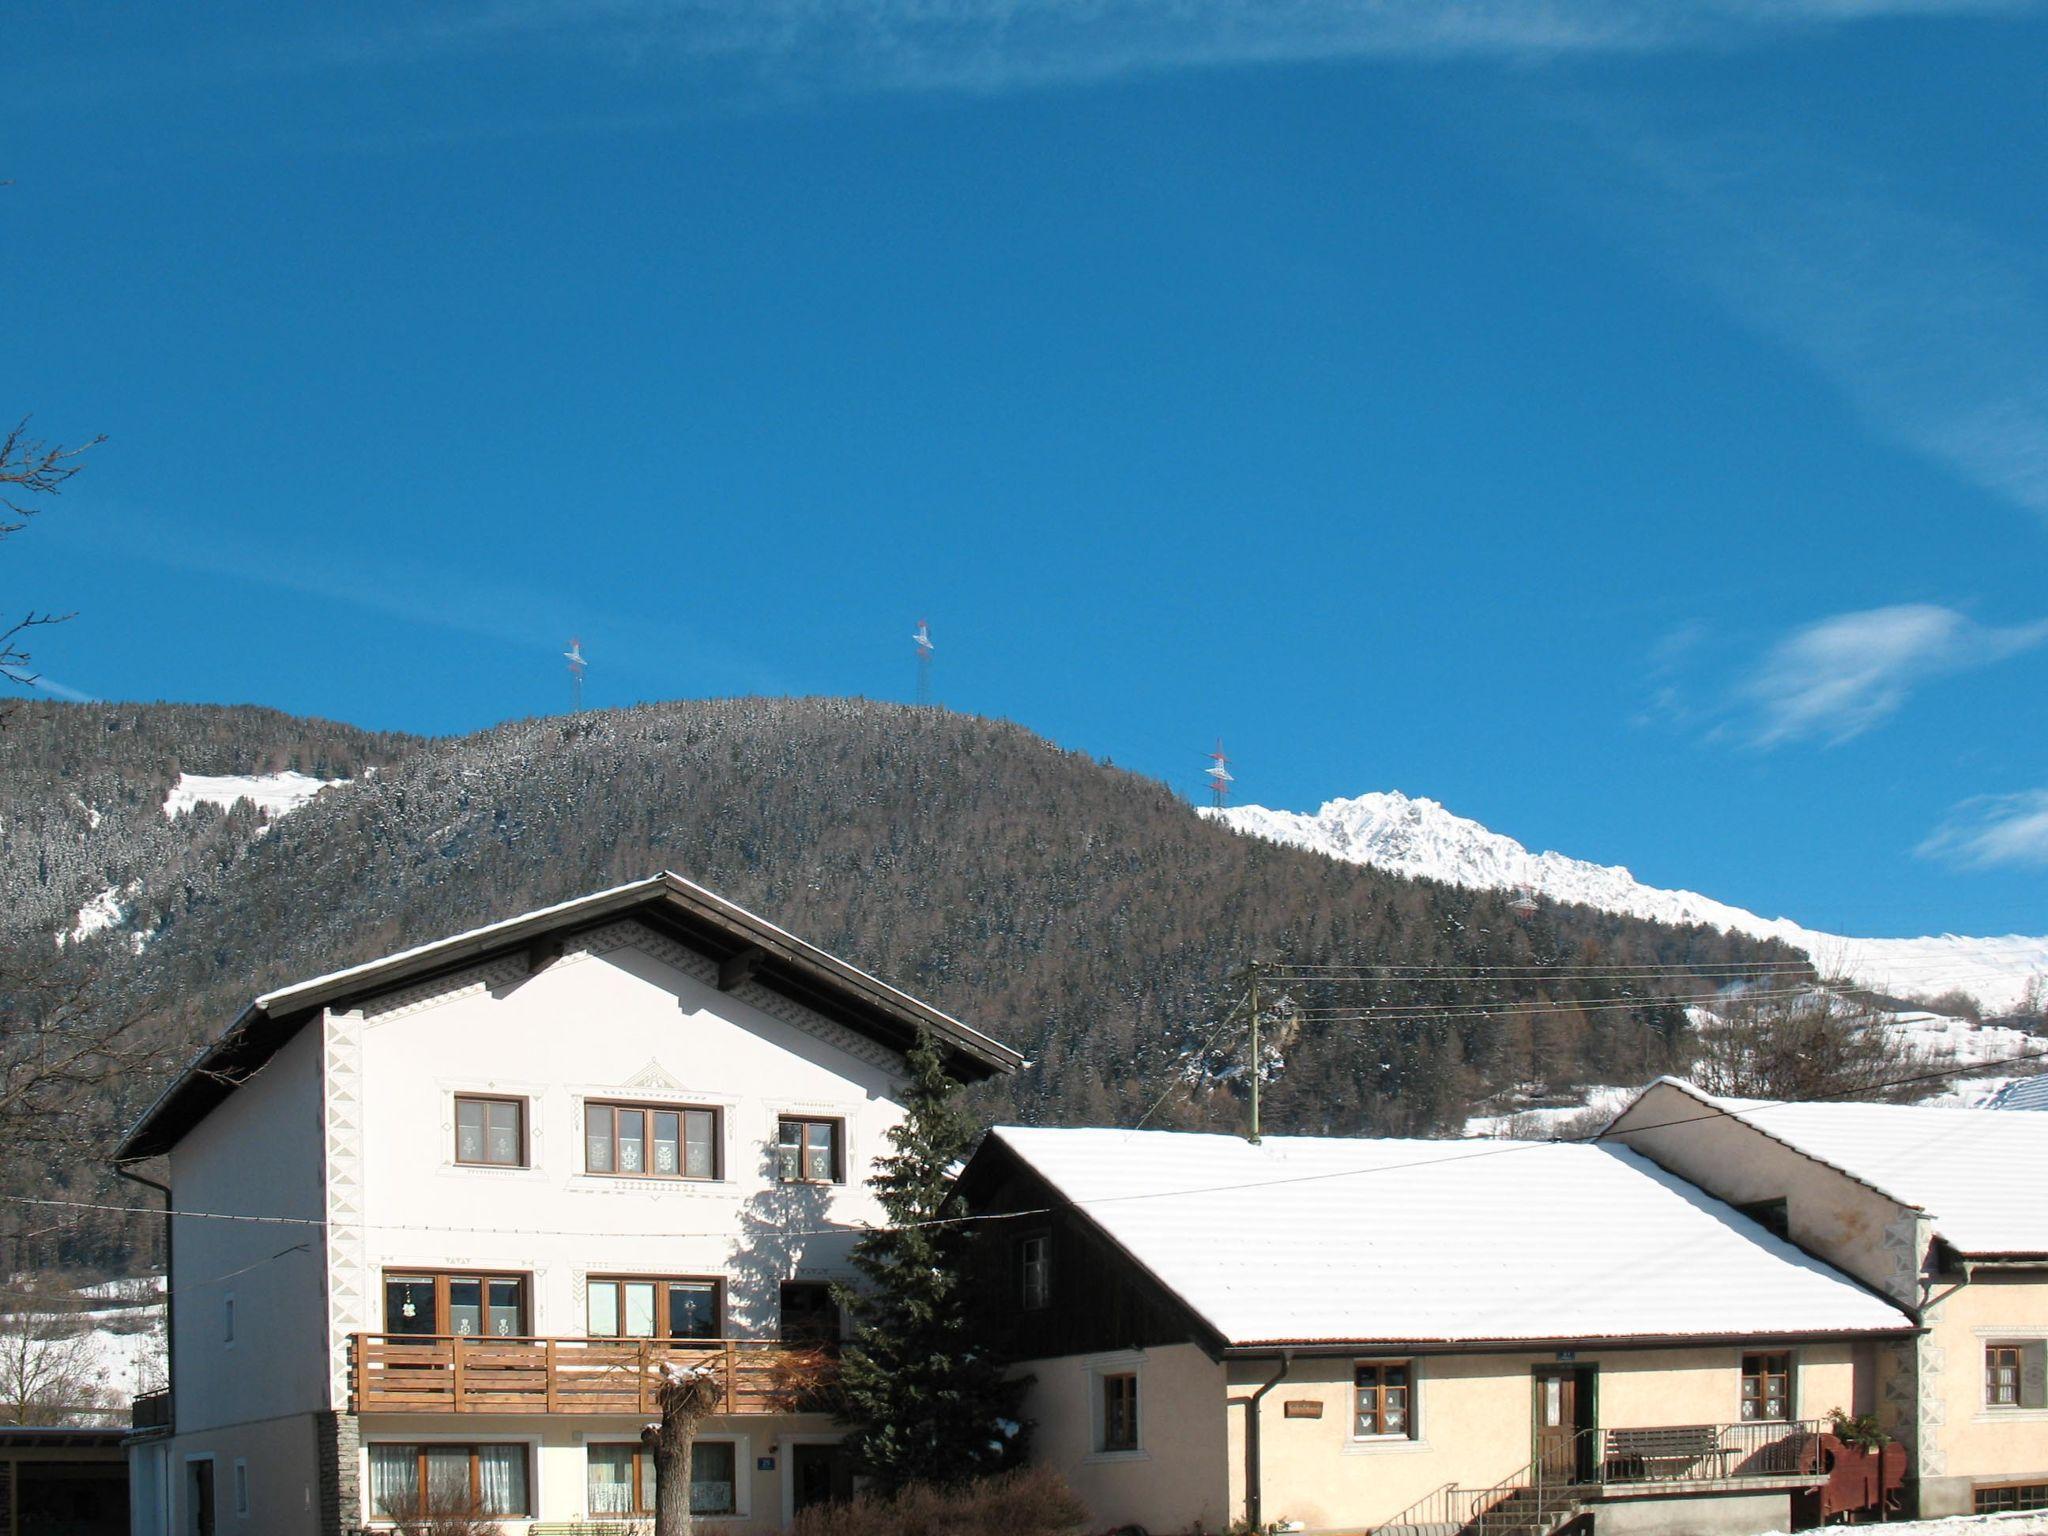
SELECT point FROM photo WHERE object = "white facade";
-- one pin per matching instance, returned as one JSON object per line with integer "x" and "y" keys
{"x": 343, "y": 1146}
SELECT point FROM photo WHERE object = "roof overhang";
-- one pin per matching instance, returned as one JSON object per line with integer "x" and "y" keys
{"x": 746, "y": 947}
{"x": 1560, "y": 1344}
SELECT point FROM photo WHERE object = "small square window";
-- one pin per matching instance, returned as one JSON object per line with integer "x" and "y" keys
{"x": 1383, "y": 1393}
{"x": 490, "y": 1133}
{"x": 808, "y": 1152}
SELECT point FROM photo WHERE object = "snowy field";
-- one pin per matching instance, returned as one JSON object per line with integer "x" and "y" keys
{"x": 274, "y": 794}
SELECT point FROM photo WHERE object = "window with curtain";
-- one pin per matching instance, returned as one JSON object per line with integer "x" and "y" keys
{"x": 489, "y": 1479}
{"x": 1119, "y": 1412}
{"x": 1766, "y": 1388}
{"x": 808, "y": 1151}
{"x": 650, "y": 1141}
{"x": 1381, "y": 1391}
{"x": 490, "y": 1132}
{"x": 465, "y": 1305}
{"x": 651, "y": 1307}
{"x": 714, "y": 1487}
{"x": 614, "y": 1482}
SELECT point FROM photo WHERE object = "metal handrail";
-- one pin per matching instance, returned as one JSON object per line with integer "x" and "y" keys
{"x": 1618, "y": 1456}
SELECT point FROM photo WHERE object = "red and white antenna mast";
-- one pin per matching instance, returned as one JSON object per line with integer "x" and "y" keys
{"x": 923, "y": 641}
{"x": 1219, "y": 776}
{"x": 577, "y": 664}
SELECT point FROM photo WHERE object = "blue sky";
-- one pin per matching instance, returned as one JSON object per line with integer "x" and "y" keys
{"x": 1631, "y": 431}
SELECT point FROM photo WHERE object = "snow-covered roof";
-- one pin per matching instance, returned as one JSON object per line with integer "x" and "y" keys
{"x": 2025, "y": 1093}
{"x": 1303, "y": 1240}
{"x": 1975, "y": 1172}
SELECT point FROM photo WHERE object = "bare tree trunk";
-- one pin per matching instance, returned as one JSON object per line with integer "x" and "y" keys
{"x": 685, "y": 1396}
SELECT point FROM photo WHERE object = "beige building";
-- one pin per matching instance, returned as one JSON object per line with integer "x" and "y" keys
{"x": 1945, "y": 1212}
{"x": 1405, "y": 1336}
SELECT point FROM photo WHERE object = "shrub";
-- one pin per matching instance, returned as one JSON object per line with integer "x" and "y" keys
{"x": 427, "y": 1519}
{"x": 1032, "y": 1501}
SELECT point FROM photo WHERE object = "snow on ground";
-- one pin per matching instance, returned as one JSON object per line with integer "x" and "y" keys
{"x": 1538, "y": 1123}
{"x": 2029, "y": 1523}
{"x": 1417, "y": 837}
{"x": 274, "y": 794}
{"x": 101, "y": 912}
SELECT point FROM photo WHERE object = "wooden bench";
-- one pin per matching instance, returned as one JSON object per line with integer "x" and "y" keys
{"x": 1668, "y": 1453}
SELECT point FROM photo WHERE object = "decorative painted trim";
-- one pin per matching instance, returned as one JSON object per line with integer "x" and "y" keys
{"x": 348, "y": 1277}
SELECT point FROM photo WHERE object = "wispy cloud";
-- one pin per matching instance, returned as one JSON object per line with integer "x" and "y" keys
{"x": 1838, "y": 677}
{"x": 807, "y": 47}
{"x": 1935, "y": 332}
{"x": 1992, "y": 830}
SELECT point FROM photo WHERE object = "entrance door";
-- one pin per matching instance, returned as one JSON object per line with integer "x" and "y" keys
{"x": 199, "y": 1498}
{"x": 818, "y": 1474}
{"x": 1564, "y": 1417}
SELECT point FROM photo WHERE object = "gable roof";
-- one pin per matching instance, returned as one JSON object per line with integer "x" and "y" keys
{"x": 1970, "y": 1170}
{"x": 755, "y": 948}
{"x": 2023, "y": 1093}
{"x": 1302, "y": 1240}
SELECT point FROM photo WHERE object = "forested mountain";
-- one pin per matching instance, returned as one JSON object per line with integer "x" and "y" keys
{"x": 1083, "y": 913}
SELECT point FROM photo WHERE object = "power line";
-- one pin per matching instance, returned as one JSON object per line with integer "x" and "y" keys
{"x": 1960, "y": 1070}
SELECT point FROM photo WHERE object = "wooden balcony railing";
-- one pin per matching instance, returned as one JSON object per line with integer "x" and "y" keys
{"x": 413, "y": 1373}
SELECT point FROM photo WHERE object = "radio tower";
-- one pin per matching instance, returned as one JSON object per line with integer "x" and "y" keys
{"x": 576, "y": 666}
{"x": 1219, "y": 776}
{"x": 923, "y": 638}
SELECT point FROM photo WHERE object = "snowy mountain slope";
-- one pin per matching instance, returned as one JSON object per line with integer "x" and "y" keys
{"x": 1411, "y": 836}
{"x": 274, "y": 794}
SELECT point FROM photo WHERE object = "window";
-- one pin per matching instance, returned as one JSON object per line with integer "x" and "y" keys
{"x": 620, "y": 1479}
{"x": 1034, "y": 1272}
{"x": 242, "y": 1488}
{"x": 1766, "y": 1389}
{"x": 807, "y": 1152}
{"x": 1120, "y": 1411}
{"x": 428, "y": 1305}
{"x": 490, "y": 1133}
{"x": 632, "y": 1307}
{"x": 413, "y": 1479}
{"x": 1383, "y": 1391}
{"x": 2002, "y": 1377}
{"x": 227, "y": 1319}
{"x": 809, "y": 1314}
{"x": 1774, "y": 1216}
{"x": 1998, "y": 1498}
{"x": 650, "y": 1141}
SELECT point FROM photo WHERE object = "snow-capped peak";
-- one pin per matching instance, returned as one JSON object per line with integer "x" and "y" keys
{"x": 1407, "y": 835}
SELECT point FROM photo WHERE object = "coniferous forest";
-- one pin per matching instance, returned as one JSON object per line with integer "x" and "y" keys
{"x": 1082, "y": 913}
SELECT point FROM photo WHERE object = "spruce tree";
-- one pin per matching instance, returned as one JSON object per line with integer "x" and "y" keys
{"x": 926, "y": 1398}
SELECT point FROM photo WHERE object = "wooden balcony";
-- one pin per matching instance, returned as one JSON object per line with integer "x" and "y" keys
{"x": 413, "y": 1373}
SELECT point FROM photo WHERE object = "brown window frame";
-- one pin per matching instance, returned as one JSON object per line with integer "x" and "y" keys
{"x": 647, "y": 1171}
{"x": 440, "y": 1278}
{"x": 643, "y": 1478}
{"x": 1119, "y": 1412}
{"x": 1375, "y": 1392}
{"x": 2007, "y": 1498}
{"x": 476, "y": 1476}
{"x": 1992, "y": 1354}
{"x": 716, "y": 1282}
{"x": 787, "y": 1334}
{"x": 838, "y": 1127}
{"x": 487, "y": 1161}
{"x": 1757, "y": 1369}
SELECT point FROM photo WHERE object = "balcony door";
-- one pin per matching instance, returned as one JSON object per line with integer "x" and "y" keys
{"x": 1564, "y": 1419}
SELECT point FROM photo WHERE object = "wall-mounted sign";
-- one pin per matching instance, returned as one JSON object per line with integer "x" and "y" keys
{"x": 764, "y": 1463}
{"x": 1301, "y": 1408}
{"x": 1566, "y": 1356}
